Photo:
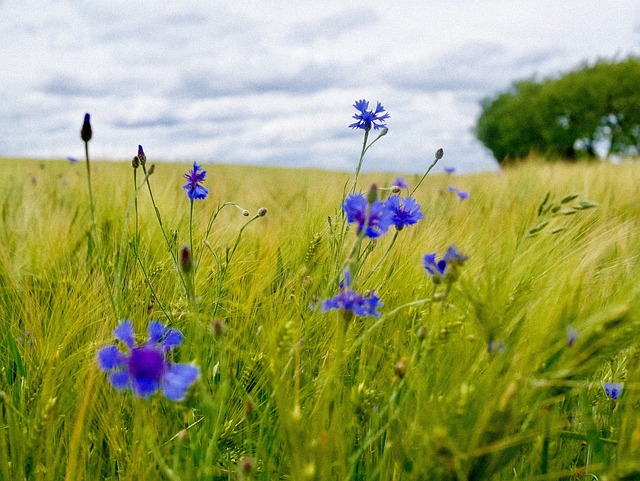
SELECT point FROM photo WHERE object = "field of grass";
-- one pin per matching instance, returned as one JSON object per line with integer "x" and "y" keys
{"x": 498, "y": 374}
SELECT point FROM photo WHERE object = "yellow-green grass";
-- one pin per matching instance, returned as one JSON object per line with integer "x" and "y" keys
{"x": 296, "y": 393}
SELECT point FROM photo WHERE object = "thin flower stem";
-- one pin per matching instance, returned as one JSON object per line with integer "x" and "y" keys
{"x": 384, "y": 256}
{"x": 169, "y": 246}
{"x": 134, "y": 248}
{"x": 191, "y": 228}
{"x": 91, "y": 204}
{"x": 135, "y": 202}
{"x": 433, "y": 164}
{"x": 364, "y": 150}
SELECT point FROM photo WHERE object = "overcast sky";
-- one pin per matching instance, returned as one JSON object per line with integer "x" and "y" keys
{"x": 273, "y": 83}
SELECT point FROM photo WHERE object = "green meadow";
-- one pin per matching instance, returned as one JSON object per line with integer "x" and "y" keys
{"x": 497, "y": 373}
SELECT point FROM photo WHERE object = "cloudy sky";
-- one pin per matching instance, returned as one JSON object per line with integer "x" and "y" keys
{"x": 273, "y": 83}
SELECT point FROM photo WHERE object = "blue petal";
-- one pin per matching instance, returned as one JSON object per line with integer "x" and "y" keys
{"x": 120, "y": 380}
{"x": 110, "y": 357}
{"x": 156, "y": 330}
{"x": 173, "y": 338}
{"x": 124, "y": 332}
{"x": 177, "y": 380}
{"x": 144, "y": 386}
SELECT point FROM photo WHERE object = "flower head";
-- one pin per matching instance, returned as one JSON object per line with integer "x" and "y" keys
{"x": 404, "y": 212}
{"x": 449, "y": 170}
{"x": 613, "y": 389}
{"x": 400, "y": 183}
{"x": 145, "y": 368}
{"x": 353, "y": 303}
{"x": 447, "y": 267}
{"x": 195, "y": 177}
{"x": 374, "y": 218}
{"x": 460, "y": 193}
{"x": 368, "y": 118}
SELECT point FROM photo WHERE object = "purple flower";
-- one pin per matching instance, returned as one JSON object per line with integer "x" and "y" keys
{"x": 352, "y": 302}
{"x": 613, "y": 389}
{"x": 449, "y": 170}
{"x": 375, "y": 218}
{"x": 447, "y": 267}
{"x": 460, "y": 193}
{"x": 193, "y": 187}
{"x": 368, "y": 118}
{"x": 73, "y": 160}
{"x": 400, "y": 183}
{"x": 404, "y": 211}
{"x": 145, "y": 368}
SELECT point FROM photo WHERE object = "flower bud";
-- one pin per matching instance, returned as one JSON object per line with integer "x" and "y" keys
{"x": 135, "y": 163}
{"x": 400, "y": 369}
{"x": 141, "y": 156}
{"x": 372, "y": 195}
{"x": 262, "y": 211}
{"x": 86, "y": 133}
{"x": 152, "y": 169}
{"x": 439, "y": 154}
{"x": 245, "y": 213}
{"x": 186, "y": 261}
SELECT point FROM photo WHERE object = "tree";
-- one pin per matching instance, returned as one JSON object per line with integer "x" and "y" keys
{"x": 592, "y": 108}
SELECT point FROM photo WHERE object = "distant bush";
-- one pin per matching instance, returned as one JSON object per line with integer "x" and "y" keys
{"x": 595, "y": 107}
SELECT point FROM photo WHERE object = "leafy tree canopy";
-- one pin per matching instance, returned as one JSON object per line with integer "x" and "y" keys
{"x": 567, "y": 117}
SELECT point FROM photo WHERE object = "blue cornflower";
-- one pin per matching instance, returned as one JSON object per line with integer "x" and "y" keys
{"x": 145, "y": 368}
{"x": 375, "y": 218}
{"x": 368, "y": 118}
{"x": 400, "y": 183}
{"x": 404, "y": 211}
{"x": 352, "y": 302}
{"x": 613, "y": 389}
{"x": 460, "y": 193}
{"x": 193, "y": 187}
{"x": 447, "y": 267}
{"x": 449, "y": 170}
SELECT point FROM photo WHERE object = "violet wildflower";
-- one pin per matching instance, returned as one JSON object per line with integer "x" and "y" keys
{"x": 400, "y": 183}
{"x": 404, "y": 211}
{"x": 449, "y": 170}
{"x": 612, "y": 389}
{"x": 145, "y": 368}
{"x": 460, "y": 193}
{"x": 193, "y": 187}
{"x": 447, "y": 267}
{"x": 368, "y": 118}
{"x": 374, "y": 218}
{"x": 352, "y": 303}
{"x": 73, "y": 160}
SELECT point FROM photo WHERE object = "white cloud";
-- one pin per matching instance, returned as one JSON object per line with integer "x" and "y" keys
{"x": 273, "y": 83}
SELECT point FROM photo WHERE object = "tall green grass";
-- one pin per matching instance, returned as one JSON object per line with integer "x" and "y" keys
{"x": 290, "y": 392}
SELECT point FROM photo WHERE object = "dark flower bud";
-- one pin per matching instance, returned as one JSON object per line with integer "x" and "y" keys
{"x": 439, "y": 154}
{"x": 372, "y": 195}
{"x": 141, "y": 156}
{"x": 245, "y": 212}
{"x": 152, "y": 169}
{"x": 186, "y": 261}
{"x": 400, "y": 369}
{"x": 219, "y": 328}
{"x": 135, "y": 163}
{"x": 246, "y": 467}
{"x": 86, "y": 132}
{"x": 262, "y": 211}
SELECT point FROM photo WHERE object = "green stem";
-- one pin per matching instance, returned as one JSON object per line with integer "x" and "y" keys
{"x": 384, "y": 256}
{"x": 364, "y": 150}
{"x": 91, "y": 204}
{"x": 166, "y": 238}
{"x": 433, "y": 164}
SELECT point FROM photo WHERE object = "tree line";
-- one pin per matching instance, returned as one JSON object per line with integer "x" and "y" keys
{"x": 593, "y": 108}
